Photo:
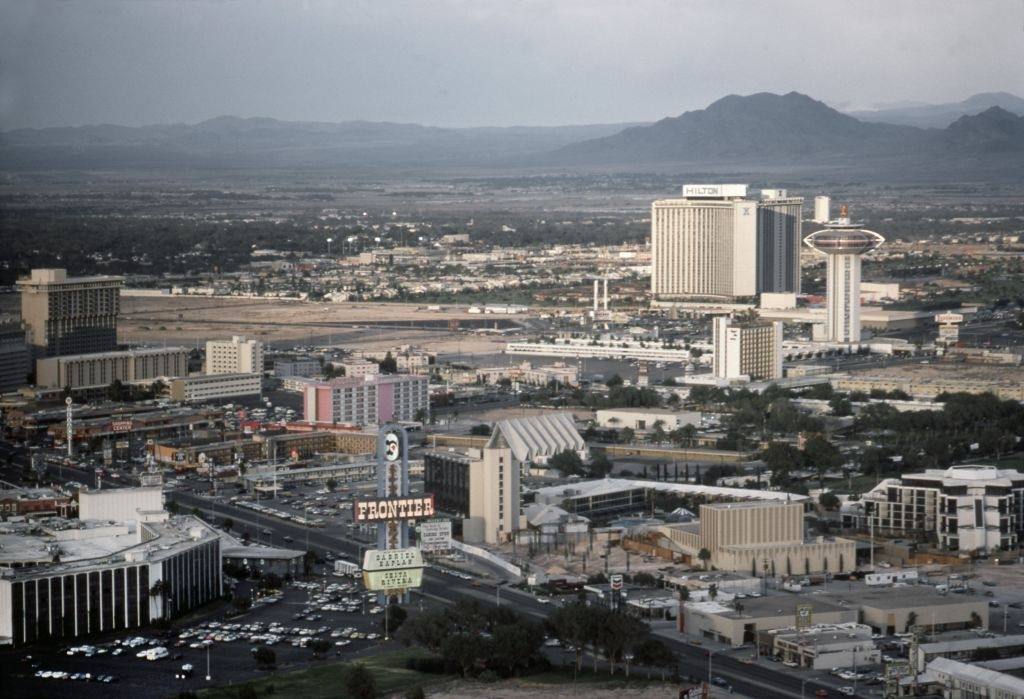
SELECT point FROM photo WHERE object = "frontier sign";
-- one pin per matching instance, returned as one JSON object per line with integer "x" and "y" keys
{"x": 393, "y": 509}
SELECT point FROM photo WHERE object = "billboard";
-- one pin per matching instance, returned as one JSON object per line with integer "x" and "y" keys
{"x": 384, "y": 580}
{"x": 435, "y": 535}
{"x": 616, "y": 582}
{"x": 392, "y": 569}
{"x": 393, "y": 509}
{"x": 121, "y": 426}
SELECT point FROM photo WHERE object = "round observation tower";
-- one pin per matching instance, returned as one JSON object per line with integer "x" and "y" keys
{"x": 843, "y": 243}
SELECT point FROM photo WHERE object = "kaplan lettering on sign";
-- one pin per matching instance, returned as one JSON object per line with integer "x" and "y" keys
{"x": 391, "y": 509}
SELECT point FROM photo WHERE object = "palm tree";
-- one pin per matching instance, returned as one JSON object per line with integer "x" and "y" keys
{"x": 162, "y": 589}
{"x": 705, "y": 556}
{"x": 911, "y": 621}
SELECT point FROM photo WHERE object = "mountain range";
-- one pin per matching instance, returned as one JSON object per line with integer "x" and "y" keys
{"x": 942, "y": 115}
{"x": 764, "y": 130}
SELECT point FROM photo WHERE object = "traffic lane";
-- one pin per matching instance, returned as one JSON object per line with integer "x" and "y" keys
{"x": 771, "y": 682}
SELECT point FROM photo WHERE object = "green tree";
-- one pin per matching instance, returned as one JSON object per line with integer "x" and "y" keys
{"x": 704, "y": 555}
{"x": 822, "y": 455}
{"x": 359, "y": 683}
{"x": 627, "y": 435}
{"x": 388, "y": 365}
{"x": 393, "y": 619}
{"x": 599, "y": 466}
{"x": 332, "y": 483}
{"x": 830, "y": 501}
{"x": 513, "y": 645}
{"x": 570, "y": 625}
{"x": 654, "y": 653}
{"x": 568, "y": 462}
{"x": 228, "y": 524}
{"x": 265, "y": 657}
{"x": 462, "y": 650}
{"x": 428, "y": 629}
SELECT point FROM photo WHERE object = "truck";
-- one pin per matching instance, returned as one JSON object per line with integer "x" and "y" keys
{"x": 343, "y": 568}
{"x": 891, "y": 577}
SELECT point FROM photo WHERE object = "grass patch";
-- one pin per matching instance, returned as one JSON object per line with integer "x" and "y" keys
{"x": 857, "y": 484}
{"x": 592, "y": 679}
{"x": 325, "y": 680}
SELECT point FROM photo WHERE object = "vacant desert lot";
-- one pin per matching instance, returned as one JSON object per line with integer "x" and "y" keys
{"x": 192, "y": 320}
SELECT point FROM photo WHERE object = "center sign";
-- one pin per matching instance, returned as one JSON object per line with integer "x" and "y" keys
{"x": 391, "y": 509}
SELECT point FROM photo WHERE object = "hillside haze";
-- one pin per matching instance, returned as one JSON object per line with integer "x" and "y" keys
{"x": 942, "y": 115}
{"x": 763, "y": 131}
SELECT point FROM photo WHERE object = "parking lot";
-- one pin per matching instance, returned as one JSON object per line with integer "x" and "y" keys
{"x": 326, "y": 608}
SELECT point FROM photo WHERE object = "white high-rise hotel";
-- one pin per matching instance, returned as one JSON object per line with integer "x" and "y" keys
{"x": 844, "y": 243}
{"x": 238, "y": 355}
{"x": 715, "y": 242}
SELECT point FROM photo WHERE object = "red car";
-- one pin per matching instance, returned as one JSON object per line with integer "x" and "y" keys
{"x": 821, "y": 693}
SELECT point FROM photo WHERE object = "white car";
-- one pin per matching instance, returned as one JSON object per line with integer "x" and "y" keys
{"x": 848, "y": 691}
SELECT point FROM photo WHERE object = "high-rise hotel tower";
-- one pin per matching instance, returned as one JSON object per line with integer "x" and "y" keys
{"x": 717, "y": 243}
{"x": 704, "y": 245}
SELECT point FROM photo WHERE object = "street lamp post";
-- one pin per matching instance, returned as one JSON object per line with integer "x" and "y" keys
{"x": 207, "y": 663}
{"x": 710, "y": 653}
{"x": 329, "y": 241}
{"x": 803, "y": 683}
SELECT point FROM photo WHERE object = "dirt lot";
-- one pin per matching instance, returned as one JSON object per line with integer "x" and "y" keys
{"x": 193, "y": 320}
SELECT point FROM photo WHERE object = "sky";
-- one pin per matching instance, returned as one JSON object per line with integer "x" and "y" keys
{"x": 487, "y": 62}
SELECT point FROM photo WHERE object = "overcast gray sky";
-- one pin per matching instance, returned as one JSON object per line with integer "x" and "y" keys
{"x": 484, "y": 62}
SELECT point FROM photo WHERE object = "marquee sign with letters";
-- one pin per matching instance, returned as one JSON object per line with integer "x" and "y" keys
{"x": 393, "y": 509}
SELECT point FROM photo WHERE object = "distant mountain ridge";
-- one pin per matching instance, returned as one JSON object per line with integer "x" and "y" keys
{"x": 794, "y": 129}
{"x": 762, "y": 132}
{"x": 940, "y": 116}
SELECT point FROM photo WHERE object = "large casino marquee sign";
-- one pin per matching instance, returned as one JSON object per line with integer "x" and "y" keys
{"x": 392, "y": 509}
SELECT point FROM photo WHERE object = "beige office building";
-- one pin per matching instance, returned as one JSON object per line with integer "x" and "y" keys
{"x": 750, "y": 537}
{"x": 103, "y": 368}
{"x": 69, "y": 315}
{"x": 704, "y": 245}
{"x": 747, "y": 350}
{"x": 205, "y": 387}
{"x": 238, "y": 355}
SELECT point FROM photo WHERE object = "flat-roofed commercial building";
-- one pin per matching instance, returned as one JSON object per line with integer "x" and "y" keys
{"x": 967, "y": 508}
{"x": 645, "y": 418}
{"x": 750, "y": 536}
{"x": 823, "y": 646}
{"x": 105, "y": 579}
{"x": 892, "y": 610}
{"x": 78, "y": 371}
{"x": 206, "y": 387}
{"x": 239, "y": 355}
{"x": 719, "y": 620}
{"x": 69, "y": 315}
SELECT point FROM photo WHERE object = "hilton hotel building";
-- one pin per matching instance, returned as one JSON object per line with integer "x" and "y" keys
{"x": 704, "y": 245}
{"x": 715, "y": 242}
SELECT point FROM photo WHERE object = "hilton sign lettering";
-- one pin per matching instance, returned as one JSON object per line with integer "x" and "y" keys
{"x": 393, "y": 509}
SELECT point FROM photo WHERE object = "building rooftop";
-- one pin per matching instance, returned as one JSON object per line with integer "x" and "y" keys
{"x": 77, "y": 544}
{"x": 538, "y": 435}
{"x": 606, "y": 486}
{"x": 774, "y": 605}
{"x": 976, "y": 675}
{"x": 897, "y": 597}
{"x": 969, "y": 644}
